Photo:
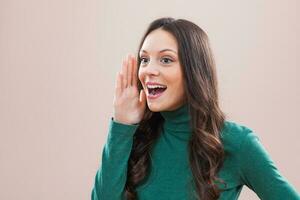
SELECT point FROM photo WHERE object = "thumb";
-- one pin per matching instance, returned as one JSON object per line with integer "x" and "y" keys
{"x": 142, "y": 97}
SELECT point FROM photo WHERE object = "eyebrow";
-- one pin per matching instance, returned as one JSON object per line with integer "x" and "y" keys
{"x": 161, "y": 50}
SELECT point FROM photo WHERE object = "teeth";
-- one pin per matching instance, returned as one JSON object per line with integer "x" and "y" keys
{"x": 155, "y": 86}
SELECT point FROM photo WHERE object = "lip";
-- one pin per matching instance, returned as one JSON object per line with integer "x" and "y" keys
{"x": 154, "y": 83}
{"x": 151, "y": 97}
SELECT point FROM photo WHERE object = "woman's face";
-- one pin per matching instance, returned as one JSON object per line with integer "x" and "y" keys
{"x": 161, "y": 66}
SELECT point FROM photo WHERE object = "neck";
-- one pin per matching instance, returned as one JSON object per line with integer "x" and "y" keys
{"x": 177, "y": 120}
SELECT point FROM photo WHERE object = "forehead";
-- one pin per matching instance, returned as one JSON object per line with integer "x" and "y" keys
{"x": 158, "y": 40}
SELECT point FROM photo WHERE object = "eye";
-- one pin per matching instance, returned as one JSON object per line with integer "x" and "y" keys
{"x": 142, "y": 59}
{"x": 164, "y": 60}
{"x": 167, "y": 59}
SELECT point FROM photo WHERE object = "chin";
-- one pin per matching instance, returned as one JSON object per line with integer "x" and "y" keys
{"x": 154, "y": 107}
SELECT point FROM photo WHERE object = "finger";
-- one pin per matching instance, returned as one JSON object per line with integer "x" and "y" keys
{"x": 124, "y": 73}
{"x": 134, "y": 79}
{"x": 142, "y": 97}
{"x": 129, "y": 71}
{"x": 118, "y": 84}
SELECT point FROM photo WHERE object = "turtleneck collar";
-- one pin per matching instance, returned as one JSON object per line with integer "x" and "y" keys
{"x": 177, "y": 120}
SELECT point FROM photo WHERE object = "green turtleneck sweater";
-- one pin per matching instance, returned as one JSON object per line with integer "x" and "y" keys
{"x": 246, "y": 163}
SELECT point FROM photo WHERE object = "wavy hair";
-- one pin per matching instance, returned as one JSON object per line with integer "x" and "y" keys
{"x": 206, "y": 152}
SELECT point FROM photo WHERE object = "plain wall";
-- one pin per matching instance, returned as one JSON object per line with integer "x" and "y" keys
{"x": 58, "y": 63}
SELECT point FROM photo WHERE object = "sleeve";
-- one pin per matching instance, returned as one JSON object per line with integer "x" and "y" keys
{"x": 259, "y": 172}
{"x": 111, "y": 177}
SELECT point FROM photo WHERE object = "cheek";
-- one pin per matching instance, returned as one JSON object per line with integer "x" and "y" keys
{"x": 141, "y": 75}
{"x": 177, "y": 81}
{"x": 174, "y": 77}
{"x": 178, "y": 87}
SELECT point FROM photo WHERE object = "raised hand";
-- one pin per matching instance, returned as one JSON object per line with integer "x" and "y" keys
{"x": 129, "y": 104}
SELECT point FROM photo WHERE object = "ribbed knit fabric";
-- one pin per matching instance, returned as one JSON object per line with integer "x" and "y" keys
{"x": 247, "y": 162}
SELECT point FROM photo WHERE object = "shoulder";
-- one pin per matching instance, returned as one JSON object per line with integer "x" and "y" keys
{"x": 233, "y": 135}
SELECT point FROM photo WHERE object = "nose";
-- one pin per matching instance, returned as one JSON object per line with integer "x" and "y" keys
{"x": 151, "y": 68}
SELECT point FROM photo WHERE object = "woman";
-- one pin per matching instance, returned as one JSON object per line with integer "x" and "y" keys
{"x": 169, "y": 139}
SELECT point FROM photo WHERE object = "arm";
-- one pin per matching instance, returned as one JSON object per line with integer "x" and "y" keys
{"x": 111, "y": 177}
{"x": 260, "y": 174}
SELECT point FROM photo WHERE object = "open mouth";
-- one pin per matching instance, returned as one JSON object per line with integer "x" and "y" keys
{"x": 154, "y": 91}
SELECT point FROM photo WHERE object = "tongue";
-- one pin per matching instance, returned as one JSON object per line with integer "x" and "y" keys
{"x": 158, "y": 91}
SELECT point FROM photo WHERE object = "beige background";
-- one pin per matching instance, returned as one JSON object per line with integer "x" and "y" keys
{"x": 59, "y": 58}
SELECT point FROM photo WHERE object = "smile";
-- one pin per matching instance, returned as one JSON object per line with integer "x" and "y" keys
{"x": 154, "y": 93}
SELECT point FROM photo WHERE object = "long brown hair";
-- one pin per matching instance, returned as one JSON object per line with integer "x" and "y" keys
{"x": 206, "y": 152}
